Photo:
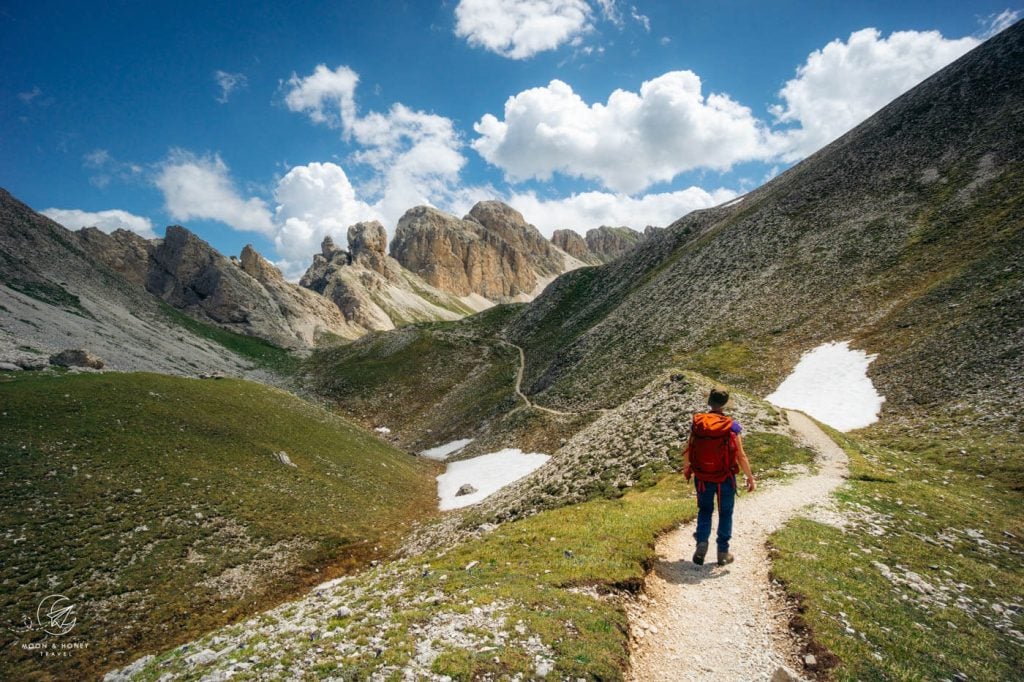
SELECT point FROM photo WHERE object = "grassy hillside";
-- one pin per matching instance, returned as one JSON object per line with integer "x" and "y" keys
{"x": 428, "y": 382}
{"x": 157, "y": 506}
{"x": 924, "y": 581}
{"x": 522, "y": 598}
{"x": 905, "y": 236}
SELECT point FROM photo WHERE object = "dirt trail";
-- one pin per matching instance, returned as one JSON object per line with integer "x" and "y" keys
{"x": 530, "y": 403}
{"x": 705, "y": 622}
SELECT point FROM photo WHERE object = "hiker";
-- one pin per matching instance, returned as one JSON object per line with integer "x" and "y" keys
{"x": 713, "y": 455}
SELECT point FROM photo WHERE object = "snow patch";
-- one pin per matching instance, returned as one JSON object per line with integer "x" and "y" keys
{"x": 383, "y": 429}
{"x": 441, "y": 452}
{"x": 487, "y": 473}
{"x": 731, "y": 203}
{"x": 831, "y": 384}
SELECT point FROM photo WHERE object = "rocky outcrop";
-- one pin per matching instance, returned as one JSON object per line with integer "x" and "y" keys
{"x": 506, "y": 222}
{"x": 608, "y": 243}
{"x": 189, "y": 274}
{"x": 76, "y": 358}
{"x": 372, "y": 290}
{"x": 248, "y": 295}
{"x": 123, "y": 251}
{"x": 307, "y": 314}
{"x": 492, "y": 252}
{"x": 572, "y": 243}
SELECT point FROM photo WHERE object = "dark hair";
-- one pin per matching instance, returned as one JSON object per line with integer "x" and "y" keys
{"x": 718, "y": 397}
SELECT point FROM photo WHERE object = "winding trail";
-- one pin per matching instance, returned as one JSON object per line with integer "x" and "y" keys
{"x": 705, "y": 622}
{"x": 530, "y": 403}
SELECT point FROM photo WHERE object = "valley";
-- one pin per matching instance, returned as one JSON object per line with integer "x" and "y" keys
{"x": 247, "y": 477}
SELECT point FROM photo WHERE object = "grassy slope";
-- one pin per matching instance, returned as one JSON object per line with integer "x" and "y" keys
{"x": 125, "y": 492}
{"x": 258, "y": 351}
{"x": 428, "y": 382}
{"x": 529, "y": 570}
{"x": 905, "y": 235}
{"x": 914, "y": 496}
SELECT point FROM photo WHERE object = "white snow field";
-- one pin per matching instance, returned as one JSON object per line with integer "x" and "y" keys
{"x": 831, "y": 384}
{"x": 441, "y": 452}
{"x": 487, "y": 473}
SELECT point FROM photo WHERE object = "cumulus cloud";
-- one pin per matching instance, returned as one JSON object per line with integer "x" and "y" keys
{"x": 108, "y": 221}
{"x": 844, "y": 83}
{"x": 228, "y": 83}
{"x": 314, "y": 201}
{"x": 587, "y": 210}
{"x": 628, "y": 143}
{"x": 636, "y": 139}
{"x": 200, "y": 187}
{"x": 414, "y": 154}
{"x": 519, "y": 29}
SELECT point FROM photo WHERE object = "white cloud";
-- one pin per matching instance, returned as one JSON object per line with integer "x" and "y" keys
{"x": 200, "y": 187}
{"x": 229, "y": 83}
{"x": 610, "y": 10}
{"x": 997, "y": 23}
{"x": 108, "y": 221}
{"x": 641, "y": 19}
{"x": 29, "y": 95}
{"x": 844, "y": 83}
{"x": 636, "y": 139}
{"x": 106, "y": 168}
{"x": 324, "y": 94}
{"x": 626, "y": 144}
{"x": 587, "y": 210}
{"x": 414, "y": 154}
{"x": 519, "y": 29}
{"x": 314, "y": 201}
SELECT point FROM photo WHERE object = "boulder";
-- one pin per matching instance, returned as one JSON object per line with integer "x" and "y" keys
{"x": 283, "y": 458}
{"x": 465, "y": 489}
{"x": 784, "y": 674}
{"x": 76, "y": 358}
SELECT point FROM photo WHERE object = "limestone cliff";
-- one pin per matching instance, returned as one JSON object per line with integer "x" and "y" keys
{"x": 492, "y": 252}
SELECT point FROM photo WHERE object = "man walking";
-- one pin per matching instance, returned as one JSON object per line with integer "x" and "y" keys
{"x": 713, "y": 455}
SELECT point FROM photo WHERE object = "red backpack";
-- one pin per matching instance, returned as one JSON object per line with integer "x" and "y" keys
{"x": 713, "y": 448}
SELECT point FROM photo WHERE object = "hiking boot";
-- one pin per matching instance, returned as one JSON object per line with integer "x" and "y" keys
{"x": 698, "y": 555}
{"x": 725, "y": 558}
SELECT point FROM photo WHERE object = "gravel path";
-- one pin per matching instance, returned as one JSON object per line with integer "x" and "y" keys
{"x": 698, "y": 622}
{"x": 526, "y": 399}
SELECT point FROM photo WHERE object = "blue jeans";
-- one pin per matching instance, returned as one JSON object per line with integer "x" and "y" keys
{"x": 726, "y": 494}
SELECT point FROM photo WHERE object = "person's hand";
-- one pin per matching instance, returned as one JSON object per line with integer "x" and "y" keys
{"x": 687, "y": 472}
{"x": 751, "y": 484}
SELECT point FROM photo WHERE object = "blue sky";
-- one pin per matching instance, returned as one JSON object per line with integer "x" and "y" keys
{"x": 276, "y": 123}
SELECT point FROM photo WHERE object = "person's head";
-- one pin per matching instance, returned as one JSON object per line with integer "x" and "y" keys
{"x": 718, "y": 398}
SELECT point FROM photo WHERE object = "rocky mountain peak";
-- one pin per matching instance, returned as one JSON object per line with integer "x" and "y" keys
{"x": 258, "y": 267}
{"x": 572, "y": 243}
{"x": 492, "y": 252}
{"x": 608, "y": 243}
{"x": 327, "y": 247}
{"x": 507, "y": 223}
{"x": 367, "y": 243}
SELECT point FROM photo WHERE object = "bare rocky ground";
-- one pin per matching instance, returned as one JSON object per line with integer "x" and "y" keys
{"x": 30, "y": 331}
{"x": 698, "y": 622}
